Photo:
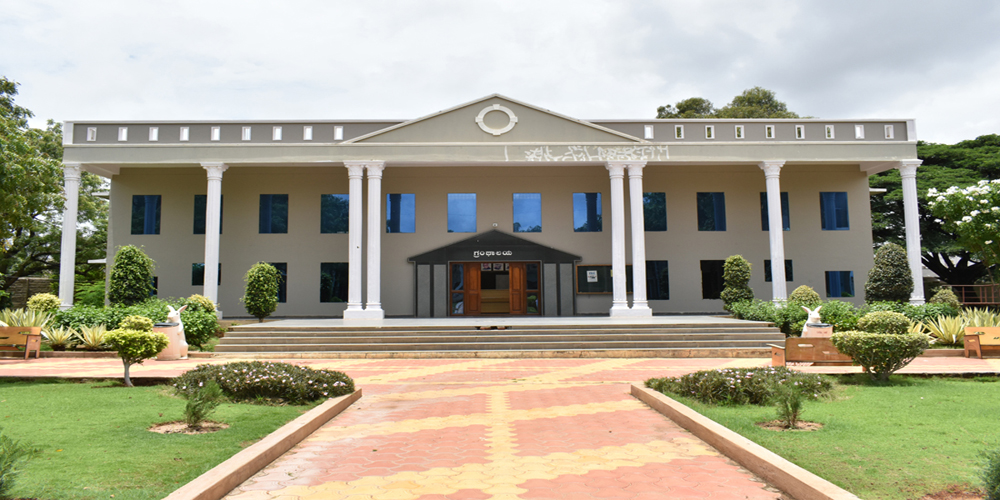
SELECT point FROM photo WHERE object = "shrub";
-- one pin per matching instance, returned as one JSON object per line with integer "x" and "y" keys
{"x": 789, "y": 398}
{"x": 880, "y": 354}
{"x": 990, "y": 473}
{"x": 255, "y": 381}
{"x": 791, "y": 318}
{"x": 890, "y": 277}
{"x": 754, "y": 310}
{"x": 201, "y": 403}
{"x": 44, "y": 302}
{"x": 927, "y": 312}
{"x": 199, "y": 327}
{"x": 89, "y": 293}
{"x": 13, "y": 455}
{"x": 981, "y": 317}
{"x": 131, "y": 277}
{"x": 198, "y": 303}
{"x": 92, "y": 338}
{"x": 141, "y": 323}
{"x": 888, "y": 322}
{"x": 842, "y": 315}
{"x": 738, "y": 386}
{"x": 806, "y": 296}
{"x": 948, "y": 330}
{"x": 135, "y": 346}
{"x": 79, "y": 316}
{"x": 946, "y": 296}
{"x": 736, "y": 275}
{"x": 882, "y": 305}
{"x": 60, "y": 338}
{"x": 261, "y": 296}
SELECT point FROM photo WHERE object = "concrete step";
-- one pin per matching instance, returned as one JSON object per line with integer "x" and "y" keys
{"x": 492, "y": 346}
{"x": 509, "y": 338}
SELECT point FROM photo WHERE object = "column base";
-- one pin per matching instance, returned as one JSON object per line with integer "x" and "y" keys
{"x": 917, "y": 301}
{"x": 631, "y": 313}
{"x": 364, "y": 314}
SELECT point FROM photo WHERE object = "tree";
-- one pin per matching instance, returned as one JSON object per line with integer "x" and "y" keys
{"x": 261, "y": 296}
{"x": 131, "y": 277}
{"x": 757, "y": 102}
{"x": 135, "y": 346}
{"x": 973, "y": 214}
{"x": 694, "y": 107}
{"x": 890, "y": 278}
{"x": 736, "y": 275}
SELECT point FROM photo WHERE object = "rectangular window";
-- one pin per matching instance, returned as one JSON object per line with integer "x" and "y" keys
{"x": 276, "y": 133}
{"x": 710, "y": 131}
{"x": 711, "y": 211}
{"x": 765, "y": 224}
{"x": 461, "y": 212}
{"x": 830, "y": 132}
{"x": 767, "y": 270}
{"x": 840, "y": 283}
{"x": 146, "y": 214}
{"x": 711, "y": 279}
{"x": 587, "y": 212}
{"x": 246, "y": 133}
{"x": 185, "y": 134}
{"x": 122, "y": 134}
{"x": 647, "y": 132}
{"x": 400, "y": 213}
{"x": 679, "y": 131}
{"x": 307, "y": 133}
{"x": 833, "y": 211}
{"x": 333, "y": 282}
{"x": 800, "y": 131}
{"x": 154, "y": 134}
{"x": 200, "y": 208}
{"x": 273, "y": 213}
{"x": 859, "y": 131}
{"x": 334, "y": 213}
{"x": 198, "y": 274}
{"x": 657, "y": 280}
{"x": 740, "y": 132}
{"x": 890, "y": 133}
{"x": 654, "y": 211}
{"x": 769, "y": 131}
{"x": 527, "y": 212}
{"x": 156, "y": 287}
{"x": 338, "y": 133}
{"x": 216, "y": 133}
{"x": 91, "y": 134}
{"x": 282, "y": 268}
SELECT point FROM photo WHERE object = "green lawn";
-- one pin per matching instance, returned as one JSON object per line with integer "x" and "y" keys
{"x": 901, "y": 441}
{"x": 94, "y": 443}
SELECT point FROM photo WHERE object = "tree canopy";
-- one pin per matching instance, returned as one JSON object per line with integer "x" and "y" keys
{"x": 757, "y": 102}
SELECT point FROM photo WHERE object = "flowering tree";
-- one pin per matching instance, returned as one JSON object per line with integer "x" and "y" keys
{"x": 973, "y": 214}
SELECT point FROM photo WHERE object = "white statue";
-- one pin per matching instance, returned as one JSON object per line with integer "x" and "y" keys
{"x": 813, "y": 318}
{"x": 174, "y": 316}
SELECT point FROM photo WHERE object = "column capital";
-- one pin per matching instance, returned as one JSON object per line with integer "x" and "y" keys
{"x": 214, "y": 169}
{"x": 616, "y": 170}
{"x": 635, "y": 168}
{"x": 908, "y": 168}
{"x": 72, "y": 171}
{"x": 375, "y": 169}
{"x": 771, "y": 168}
{"x": 355, "y": 169}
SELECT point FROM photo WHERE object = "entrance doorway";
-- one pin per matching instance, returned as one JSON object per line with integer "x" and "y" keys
{"x": 494, "y": 288}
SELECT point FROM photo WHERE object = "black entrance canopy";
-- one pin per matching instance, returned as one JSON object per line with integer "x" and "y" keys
{"x": 494, "y": 246}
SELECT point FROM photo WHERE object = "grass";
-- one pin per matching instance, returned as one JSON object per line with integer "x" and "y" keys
{"x": 899, "y": 441}
{"x": 94, "y": 444}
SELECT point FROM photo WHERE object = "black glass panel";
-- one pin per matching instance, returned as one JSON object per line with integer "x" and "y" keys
{"x": 333, "y": 282}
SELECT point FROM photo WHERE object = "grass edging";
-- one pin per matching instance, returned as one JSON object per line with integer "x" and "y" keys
{"x": 782, "y": 474}
{"x": 221, "y": 479}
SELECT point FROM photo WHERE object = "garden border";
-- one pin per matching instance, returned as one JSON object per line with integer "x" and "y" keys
{"x": 782, "y": 474}
{"x": 223, "y": 478}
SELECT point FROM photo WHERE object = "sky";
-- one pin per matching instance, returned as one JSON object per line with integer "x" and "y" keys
{"x": 936, "y": 62}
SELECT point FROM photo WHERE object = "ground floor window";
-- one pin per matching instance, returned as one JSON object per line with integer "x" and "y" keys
{"x": 282, "y": 268}
{"x": 840, "y": 283}
{"x": 711, "y": 279}
{"x": 767, "y": 270}
{"x": 198, "y": 274}
{"x": 333, "y": 282}
{"x": 657, "y": 280}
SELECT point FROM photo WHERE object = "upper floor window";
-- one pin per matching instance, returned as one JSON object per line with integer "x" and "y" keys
{"x": 200, "y": 208}
{"x": 890, "y": 132}
{"x": 461, "y": 212}
{"x": 840, "y": 283}
{"x": 587, "y": 212}
{"x": 154, "y": 134}
{"x": 400, "y": 213}
{"x": 765, "y": 223}
{"x": 859, "y": 131}
{"x": 334, "y": 213}
{"x": 654, "y": 211}
{"x": 833, "y": 211}
{"x": 273, "y": 213}
{"x": 711, "y": 211}
{"x": 527, "y": 209}
{"x": 740, "y": 132}
{"x": 647, "y": 132}
{"x": 146, "y": 214}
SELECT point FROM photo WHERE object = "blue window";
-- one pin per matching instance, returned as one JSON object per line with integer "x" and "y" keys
{"x": 767, "y": 270}
{"x": 765, "y": 224}
{"x": 587, "y": 212}
{"x": 200, "y": 208}
{"x": 461, "y": 212}
{"x": 198, "y": 274}
{"x": 833, "y": 211}
{"x": 334, "y": 212}
{"x": 657, "y": 280}
{"x": 273, "y": 213}
{"x": 282, "y": 268}
{"x": 146, "y": 214}
{"x": 711, "y": 279}
{"x": 711, "y": 211}
{"x": 654, "y": 211}
{"x": 400, "y": 213}
{"x": 527, "y": 212}
{"x": 333, "y": 282}
{"x": 840, "y": 283}
{"x": 156, "y": 287}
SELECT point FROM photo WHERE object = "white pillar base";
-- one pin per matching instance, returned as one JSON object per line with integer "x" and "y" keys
{"x": 366, "y": 314}
{"x": 634, "y": 312}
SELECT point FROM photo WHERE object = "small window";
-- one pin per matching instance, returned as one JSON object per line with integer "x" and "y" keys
{"x": 654, "y": 211}
{"x": 587, "y": 213}
{"x": 338, "y": 133}
{"x": 91, "y": 134}
{"x": 769, "y": 131}
{"x": 711, "y": 211}
{"x": 216, "y": 133}
{"x": 282, "y": 268}
{"x": 185, "y": 134}
{"x": 200, "y": 208}
{"x": 156, "y": 287}
{"x": 527, "y": 209}
{"x": 800, "y": 131}
{"x": 829, "y": 132}
{"x": 678, "y": 131}
{"x": 840, "y": 283}
{"x": 246, "y": 133}
{"x": 461, "y": 212}
{"x": 859, "y": 131}
{"x": 740, "y": 132}
{"x": 765, "y": 224}
{"x": 146, "y": 214}
{"x": 154, "y": 134}
{"x": 333, "y": 281}
{"x": 890, "y": 132}
{"x": 833, "y": 211}
{"x": 647, "y": 132}
{"x": 710, "y": 131}
{"x": 198, "y": 274}
{"x": 657, "y": 280}
{"x": 711, "y": 279}
{"x": 334, "y": 213}
{"x": 767, "y": 270}
{"x": 122, "y": 134}
{"x": 307, "y": 133}
{"x": 276, "y": 133}
{"x": 400, "y": 213}
{"x": 273, "y": 214}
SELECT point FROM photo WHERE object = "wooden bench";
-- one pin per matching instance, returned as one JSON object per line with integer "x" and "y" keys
{"x": 978, "y": 338}
{"x": 14, "y": 338}
{"x": 817, "y": 350}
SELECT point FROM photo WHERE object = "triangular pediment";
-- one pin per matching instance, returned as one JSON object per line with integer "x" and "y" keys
{"x": 495, "y": 119}
{"x": 493, "y": 246}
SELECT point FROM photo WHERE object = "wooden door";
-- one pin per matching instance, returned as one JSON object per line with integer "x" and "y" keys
{"x": 518, "y": 301}
{"x": 473, "y": 283}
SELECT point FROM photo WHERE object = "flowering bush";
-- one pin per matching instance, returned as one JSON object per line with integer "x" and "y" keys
{"x": 740, "y": 386}
{"x": 255, "y": 381}
{"x": 973, "y": 214}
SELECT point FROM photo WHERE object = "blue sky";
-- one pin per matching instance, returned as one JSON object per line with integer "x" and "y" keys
{"x": 937, "y": 62}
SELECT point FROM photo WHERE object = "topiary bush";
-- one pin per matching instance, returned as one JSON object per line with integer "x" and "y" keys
{"x": 131, "y": 277}
{"x": 890, "y": 277}
{"x": 881, "y": 354}
{"x": 885, "y": 322}
{"x": 806, "y": 296}
{"x": 258, "y": 381}
{"x": 198, "y": 303}
{"x": 141, "y": 323}
{"x": 45, "y": 302}
{"x": 946, "y": 296}
{"x": 135, "y": 346}
{"x": 261, "y": 296}
{"x": 200, "y": 327}
{"x": 736, "y": 276}
{"x": 842, "y": 315}
{"x": 740, "y": 386}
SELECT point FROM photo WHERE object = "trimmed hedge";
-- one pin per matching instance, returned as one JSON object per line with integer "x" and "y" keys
{"x": 258, "y": 381}
{"x": 805, "y": 295}
{"x": 887, "y": 322}
{"x": 736, "y": 276}
{"x": 881, "y": 354}
{"x": 199, "y": 326}
{"x": 890, "y": 278}
{"x": 740, "y": 386}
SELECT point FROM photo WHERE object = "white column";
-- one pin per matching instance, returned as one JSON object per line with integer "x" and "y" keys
{"x": 640, "y": 306}
{"x": 213, "y": 221}
{"x": 373, "y": 306}
{"x": 619, "y": 302}
{"x": 911, "y": 216}
{"x": 355, "y": 171}
{"x": 67, "y": 252}
{"x": 776, "y": 229}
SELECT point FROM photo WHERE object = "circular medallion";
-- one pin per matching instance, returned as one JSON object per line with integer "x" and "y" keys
{"x": 496, "y": 131}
